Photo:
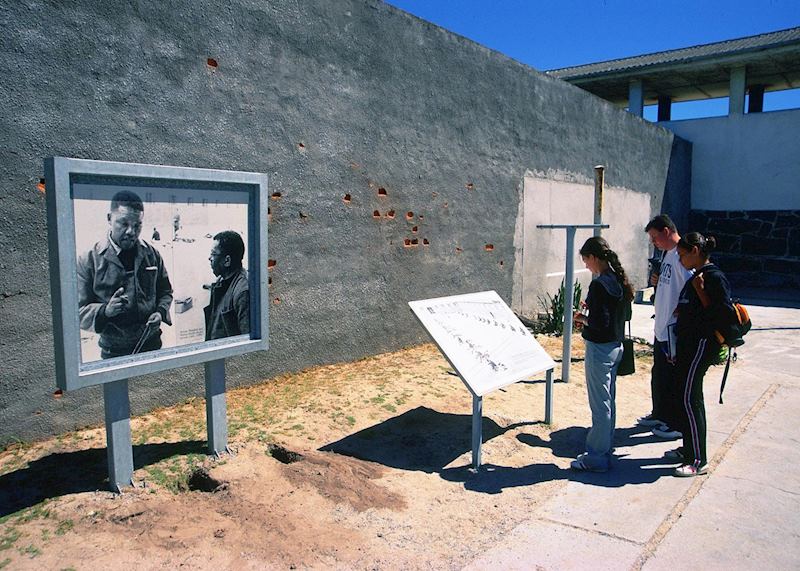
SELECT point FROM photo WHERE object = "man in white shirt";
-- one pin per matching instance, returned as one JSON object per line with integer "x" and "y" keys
{"x": 669, "y": 282}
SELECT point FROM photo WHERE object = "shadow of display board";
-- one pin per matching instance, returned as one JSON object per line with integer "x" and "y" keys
{"x": 153, "y": 268}
{"x": 488, "y": 347}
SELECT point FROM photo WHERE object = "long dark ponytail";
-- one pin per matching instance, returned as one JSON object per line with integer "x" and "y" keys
{"x": 599, "y": 248}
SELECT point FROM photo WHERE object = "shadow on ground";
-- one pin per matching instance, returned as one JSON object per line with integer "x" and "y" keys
{"x": 63, "y": 473}
{"x": 426, "y": 440}
{"x": 421, "y": 439}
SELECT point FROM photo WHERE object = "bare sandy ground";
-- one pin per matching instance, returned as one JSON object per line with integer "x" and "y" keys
{"x": 353, "y": 466}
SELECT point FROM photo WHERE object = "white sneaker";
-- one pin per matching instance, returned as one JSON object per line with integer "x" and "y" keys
{"x": 648, "y": 420}
{"x": 664, "y": 431}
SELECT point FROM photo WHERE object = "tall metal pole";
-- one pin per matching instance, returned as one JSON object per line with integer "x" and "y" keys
{"x": 569, "y": 293}
{"x": 569, "y": 288}
{"x": 599, "y": 179}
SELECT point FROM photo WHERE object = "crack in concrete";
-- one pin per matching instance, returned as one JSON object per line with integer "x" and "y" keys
{"x": 763, "y": 485}
{"x": 594, "y": 531}
{"x": 677, "y": 511}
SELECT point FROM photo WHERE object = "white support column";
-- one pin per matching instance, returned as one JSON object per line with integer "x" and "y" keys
{"x": 738, "y": 87}
{"x": 636, "y": 97}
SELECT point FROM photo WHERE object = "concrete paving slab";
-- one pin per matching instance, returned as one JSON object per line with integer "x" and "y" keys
{"x": 549, "y": 545}
{"x": 747, "y": 514}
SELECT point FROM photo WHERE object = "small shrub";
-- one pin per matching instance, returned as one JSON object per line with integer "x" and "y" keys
{"x": 553, "y": 305}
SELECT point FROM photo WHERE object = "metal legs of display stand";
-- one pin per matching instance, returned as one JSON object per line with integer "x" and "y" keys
{"x": 118, "y": 434}
{"x": 477, "y": 419}
{"x": 216, "y": 409}
{"x": 118, "y": 423}
{"x": 477, "y": 431}
{"x": 548, "y": 398}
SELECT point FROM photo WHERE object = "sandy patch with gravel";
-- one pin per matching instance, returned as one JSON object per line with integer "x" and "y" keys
{"x": 359, "y": 465}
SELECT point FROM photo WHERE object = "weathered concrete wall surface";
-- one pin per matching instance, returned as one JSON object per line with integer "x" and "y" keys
{"x": 328, "y": 97}
{"x": 744, "y": 162}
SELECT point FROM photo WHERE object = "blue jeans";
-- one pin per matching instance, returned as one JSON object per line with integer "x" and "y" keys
{"x": 601, "y": 362}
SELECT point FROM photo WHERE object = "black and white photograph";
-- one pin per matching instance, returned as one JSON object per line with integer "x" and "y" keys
{"x": 158, "y": 268}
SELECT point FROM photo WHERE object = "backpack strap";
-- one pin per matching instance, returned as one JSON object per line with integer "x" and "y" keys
{"x": 731, "y": 354}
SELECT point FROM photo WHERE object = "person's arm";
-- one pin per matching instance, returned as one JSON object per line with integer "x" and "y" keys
{"x": 163, "y": 292}
{"x": 91, "y": 311}
{"x": 242, "y": 307}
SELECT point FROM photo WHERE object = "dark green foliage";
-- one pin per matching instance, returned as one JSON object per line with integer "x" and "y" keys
{"x": 553, "y": 319}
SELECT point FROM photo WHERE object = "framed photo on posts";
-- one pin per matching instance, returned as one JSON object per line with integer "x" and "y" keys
{"x": 153, "y": 267}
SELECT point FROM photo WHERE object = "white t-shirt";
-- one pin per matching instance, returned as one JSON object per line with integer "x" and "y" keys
{"x": 671, "y": 280}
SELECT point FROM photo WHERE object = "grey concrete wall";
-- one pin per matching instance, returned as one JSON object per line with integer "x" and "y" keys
{"x": 329, "y": 98}
{"x": 744, "y": 162}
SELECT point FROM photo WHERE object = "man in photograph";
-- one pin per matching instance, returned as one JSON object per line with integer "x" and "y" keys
{"x": 228, "y": 313}
{"x": 124, "y": 293}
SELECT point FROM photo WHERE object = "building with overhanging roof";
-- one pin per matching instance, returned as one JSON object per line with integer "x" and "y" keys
{"x": 745, "y": 186}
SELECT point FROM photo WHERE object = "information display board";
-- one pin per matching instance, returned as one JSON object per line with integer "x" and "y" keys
{"x": 482, "y": 339}
{"x": 142, "y": 258}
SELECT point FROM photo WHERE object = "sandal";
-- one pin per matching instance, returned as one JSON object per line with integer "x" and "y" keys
{"x": 581, "y": 466}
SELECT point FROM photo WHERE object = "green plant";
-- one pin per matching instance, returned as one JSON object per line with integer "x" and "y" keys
{"x": 553, "y": 305}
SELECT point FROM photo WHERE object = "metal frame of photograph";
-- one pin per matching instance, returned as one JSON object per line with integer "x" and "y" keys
{"x": 242, "y": 189}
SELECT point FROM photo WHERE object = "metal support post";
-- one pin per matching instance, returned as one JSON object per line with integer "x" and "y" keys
{"x": 477, "y": 430}
{"x": 548, "y": 398}
{"x": 599, "y": 180}
{"x": 216, "y": 409}
{"x": 569, "y": 293}
{"x": 118, "y": 434}
{"x": 569, "y": 288}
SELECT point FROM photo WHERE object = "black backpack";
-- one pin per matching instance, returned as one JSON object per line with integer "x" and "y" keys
{"x": 732, "y": 335}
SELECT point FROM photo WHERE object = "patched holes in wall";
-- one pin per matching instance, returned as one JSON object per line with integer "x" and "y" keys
{"x": 212, "y": 63}
{"x": 382, "y": 192}
{"x": 347, "y": 199}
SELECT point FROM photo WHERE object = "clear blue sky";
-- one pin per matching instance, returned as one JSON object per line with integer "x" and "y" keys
{"x": 550, "y": 34}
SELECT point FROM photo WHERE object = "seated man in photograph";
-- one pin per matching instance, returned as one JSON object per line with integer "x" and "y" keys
{"x": 228, "y": 313}
{"x": 124, "y": 293}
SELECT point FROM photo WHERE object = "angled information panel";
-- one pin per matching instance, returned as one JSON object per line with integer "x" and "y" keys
{"x": 482, "y": 338}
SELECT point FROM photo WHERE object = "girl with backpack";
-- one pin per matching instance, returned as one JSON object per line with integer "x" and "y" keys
{"x": 703, "y": 308}
{"x": 608, "y": 303}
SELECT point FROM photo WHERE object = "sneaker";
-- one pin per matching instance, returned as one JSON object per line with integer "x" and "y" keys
{"x": 581, "y": 466}
{"x": 690, "y": 470}
{"x": 675, "y": 454}
{"x": 648, "y": 420}
{"x": 664, "y": 431}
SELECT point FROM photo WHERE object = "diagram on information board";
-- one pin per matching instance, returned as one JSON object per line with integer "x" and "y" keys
{"x": 482, "y": 338}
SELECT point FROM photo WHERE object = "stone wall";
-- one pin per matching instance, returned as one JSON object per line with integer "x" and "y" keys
{"x": 756, "y": 248}
{"x": 351, "y": 106}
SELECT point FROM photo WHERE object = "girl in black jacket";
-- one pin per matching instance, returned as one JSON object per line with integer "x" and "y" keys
{"x": 703, "y": 307}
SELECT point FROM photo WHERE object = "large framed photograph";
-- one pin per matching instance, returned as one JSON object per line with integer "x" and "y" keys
{"x": 153, "y": 267}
